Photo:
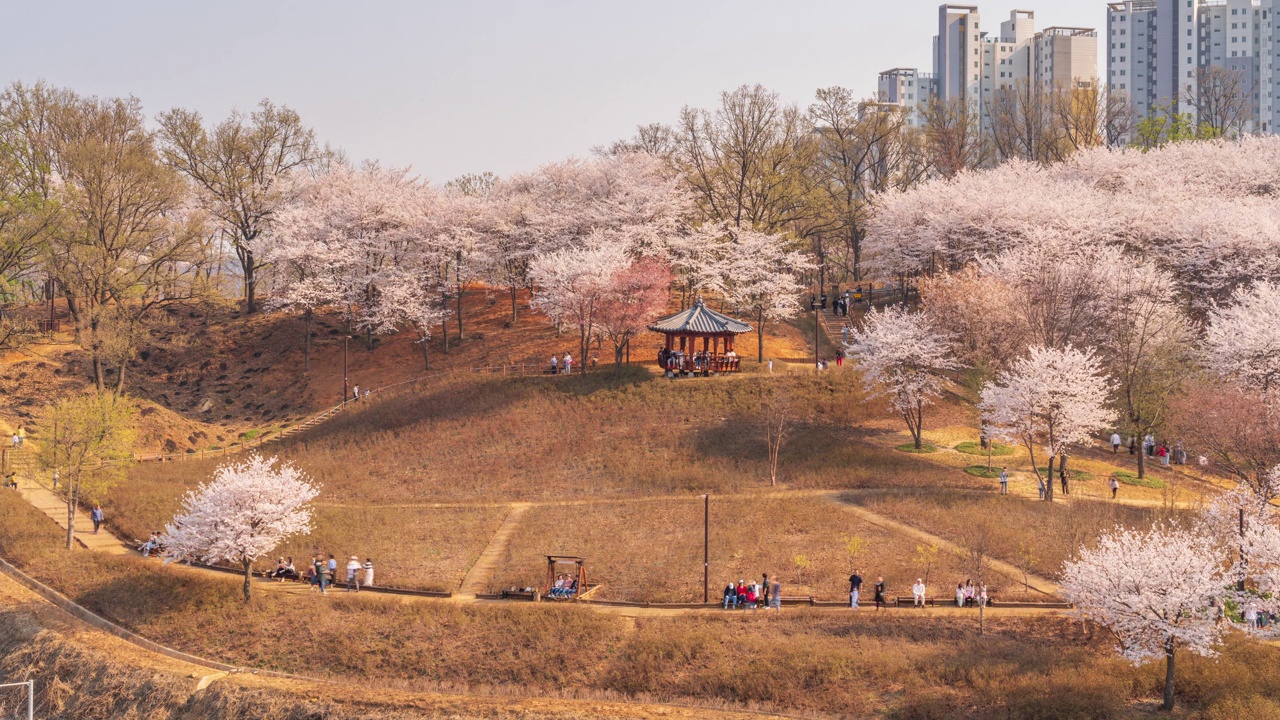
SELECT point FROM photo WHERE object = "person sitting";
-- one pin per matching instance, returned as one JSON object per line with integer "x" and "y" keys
{"x": 917, "y": 593}
{"x": 742, "y": 593}
{"x": 151, "y": 545}
{"x": 982, "y": 596}
{"x": 959, "y": 594}
{"x": 968, "y": 592}
{"x": 730, "y": 596}
{"x": 279, "y": 569}
{"x": 289, "y": 572}
{"x": 10, "y": 481}
{"x": 751, "y": 597}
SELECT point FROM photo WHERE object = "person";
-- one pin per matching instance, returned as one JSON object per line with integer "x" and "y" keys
{"x": 318, "y": 574}
{"x": 56, "y": 478}
{"x": 568, "y": 364}
{"x": 366, "y": 393}
{"x": 1179, "y": 454}
{"x": 775, "y": 596}
{"x": 879, "y": 597}
{"x": 96, "y": 516}
{"x": 824, "y": 301}
{"x": 1133, "y": 445}
{"x": 353, "y": 578}
{"x": 555, "y": 365}
{"x": 1163, "y": 453}
{"x": 968, "y": 592}
{"x": 753, "y": 597}
{"x": 813, "y": 303}
{"x": 839, "y": 358}
{"x": 1062, "y": 479}
{"x": 10, "y": 480}
{"x": 1115, "y": 486}
{"x": 15, "y": 440}
{"x": 764, "y": 589}
{"x": 368, "y": 572}
{"x": 855, "y": 589}
{"x": 332, "y": 570}
{"x": 1115, "y": 443}
{"x": 741, "y": 593}
{"x": 1251, "y": 616}
{"x": 22, "y": 435}
{"x": 844, "y": 334}
{"x": 730, "y": 596}
{"x": 1004, "y": 481}
{"x": 152, "y": 544}
{"x": 959, "y": 594}
{"x": 1040, "y": 486}
{"x": 917, "y": 593}
{"x": 770, "y": 366}
{"x": 1149, "y": 444}
{"x": 982, "y": 595}
{"x": 279, "y": 571}
{"x": 355, "y": 393}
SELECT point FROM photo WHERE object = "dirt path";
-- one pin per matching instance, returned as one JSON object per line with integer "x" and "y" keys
{"x": 1039, "y": 584}
{"x": 481, "y": 573}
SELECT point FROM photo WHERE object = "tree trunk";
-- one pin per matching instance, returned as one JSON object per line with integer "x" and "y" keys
{"x": 426, "y": 358}
{"x": 1168, "y": 680}
{"x": 120, "y": 381}
{"x": 444, "y": 334}
{"x": 71, "y": 513}
{"x": 98, "y": 380}
{"x": 760, "y": 335}
{"x": 248, "y": 576}
{"x": 1142, "y": 461}
{"x": 1048, "y": 481}
{"x": 250, "y": 279}
{"x": 1062, "y": 471}
{"x": 306, "y": 346}
{"x": 918, "y": 431}
{"x": 514, "y": 310}
{"x": 457, "y": 274}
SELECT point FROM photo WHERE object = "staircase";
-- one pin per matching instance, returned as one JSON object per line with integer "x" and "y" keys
{"x": 20, "y": 460}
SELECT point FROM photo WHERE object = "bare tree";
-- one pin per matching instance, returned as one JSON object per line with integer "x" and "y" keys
{"x": 864, "y": 148}
{"x": 237, "y": 165}
{"x": 1223, "y": 100}
{"x": 953, "y": 137}
{"x": 776, "y": 416}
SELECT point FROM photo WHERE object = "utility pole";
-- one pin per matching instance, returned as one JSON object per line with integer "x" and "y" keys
{"x": 706, "y": 548}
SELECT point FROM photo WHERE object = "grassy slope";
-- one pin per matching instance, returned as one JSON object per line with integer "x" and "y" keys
{"x": 836, "y": 664}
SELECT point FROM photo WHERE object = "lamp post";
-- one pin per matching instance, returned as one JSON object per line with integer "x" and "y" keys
{"x": 346, "y": 340}
{"x": 706, "y": 548}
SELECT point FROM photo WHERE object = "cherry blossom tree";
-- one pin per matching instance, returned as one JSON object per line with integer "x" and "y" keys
{"x": 1052, "y": 398}
{"x": 761, "y": 278}
{"x": 409, "y": 296}
{"x": 574, "y": 284}
{"x": 245, "y": 513}
{"x": 904, "y": 356}
{"x": 1235, "y": 427}
{"x": 1154, "y": 590}
{"x": 635, "y": 296}
{"x": 1243, "y": 338}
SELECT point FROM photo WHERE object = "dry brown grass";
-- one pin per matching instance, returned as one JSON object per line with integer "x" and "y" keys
{"x": 653, "y": 551}
{"x": 836, "y": 664}
{"x": 1055, "y": 531}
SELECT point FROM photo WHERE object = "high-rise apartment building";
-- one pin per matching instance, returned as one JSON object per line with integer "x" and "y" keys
{"x": 1160, "y": 50}
{"x": 971, "y": 65}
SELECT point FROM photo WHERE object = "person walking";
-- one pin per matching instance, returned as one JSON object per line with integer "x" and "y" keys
{"x": 555, "y": 365}
{"x": 568, "y": 364}
{"x": 775, "y": 596}
{"x": 96, "y": 516}
{"x": 1163, "y": 454}
{"x": 355, "y": 393}
{"x": 368, "y": 572}
{"x": 1040, "y": 486}
{"x": 318, "y": 574}
{"x": 1133, "y": 445}
{"x": 15, "y": 439}
{"x": 770, "y": 366}
{"x": 1115, "y": 443}
{"x": 22, "y": 435}
{"x": 917, "y": 593}
{"x": 1115, "y": 486}
{"x": 332, "y": 570}
{"x": 855, "y": 589}
{"x": 879, "y": 593}
{"x": 1004, "y": 481}
{"x": 56, "y": 478}
{"x": 353, "y": 577}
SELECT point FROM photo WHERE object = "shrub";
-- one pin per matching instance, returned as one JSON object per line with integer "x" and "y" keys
{"x": 1253, "y": 707}
{"x": 983, "y": 471}
{"x": 1128, "y": 478}
{"x": 911, "y": 448}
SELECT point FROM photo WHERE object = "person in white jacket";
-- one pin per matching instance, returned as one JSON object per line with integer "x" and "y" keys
{"x": 917, "y": 591}
{"x": 368, "y": 572}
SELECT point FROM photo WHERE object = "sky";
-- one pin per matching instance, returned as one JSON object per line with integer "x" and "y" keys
{"x": 455, "y": 86}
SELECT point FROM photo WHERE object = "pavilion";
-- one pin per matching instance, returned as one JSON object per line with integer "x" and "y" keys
{"x": 683, "y": 331}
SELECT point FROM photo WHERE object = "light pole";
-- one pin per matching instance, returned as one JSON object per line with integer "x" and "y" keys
{"x": 706, "y": 548}
{"x": 346, "y": 340}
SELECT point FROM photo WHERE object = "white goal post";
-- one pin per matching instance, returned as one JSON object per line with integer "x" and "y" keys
{"x": 31, "y": 695}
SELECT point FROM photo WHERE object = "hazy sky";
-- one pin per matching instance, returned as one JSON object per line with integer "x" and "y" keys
{"x": 468, "y": 85}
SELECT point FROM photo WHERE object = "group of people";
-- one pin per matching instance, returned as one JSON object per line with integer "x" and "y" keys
{"x": 967, "y": 594}
{"x": 19, "y": 437}
{"x": 855, "y": 591}
{"x": 752, "y": 595}
{"x": 565, "y": 586}
{"x": 839, "y": 305}
{"x": 322, "y": 574}
{"x": 1162, "y": 451}
{"x": 562, "y": 366}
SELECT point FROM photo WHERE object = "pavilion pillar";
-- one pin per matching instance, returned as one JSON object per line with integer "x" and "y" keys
{"x": 706, "y": 344}
{"x": 669, "y": 340}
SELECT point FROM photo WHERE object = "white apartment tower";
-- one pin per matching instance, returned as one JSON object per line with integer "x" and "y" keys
{"x": 1155, "y": 49}
{"x": 971, "y": 65}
